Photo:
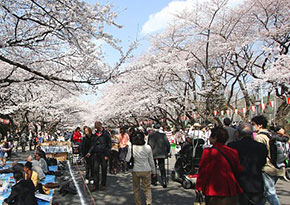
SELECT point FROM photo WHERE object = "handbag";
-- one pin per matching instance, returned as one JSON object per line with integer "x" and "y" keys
{"x": 199, "y": 198}
{"x": 131, "y": 162}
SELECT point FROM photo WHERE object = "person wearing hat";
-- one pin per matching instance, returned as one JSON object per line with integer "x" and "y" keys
{"x": 195, "y": 131}
{"x": 161, "y": 149}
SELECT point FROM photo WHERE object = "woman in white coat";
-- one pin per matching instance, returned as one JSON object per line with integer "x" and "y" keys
{"x": 143, "y": 167}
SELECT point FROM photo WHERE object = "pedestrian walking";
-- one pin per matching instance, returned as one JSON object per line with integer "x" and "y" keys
{"x": 252, "y": 155}
{"x": 270, "y": 172}
{"x": 161, "y": 149}
{"x": 100, "y": 151}
{"x": 218, "y": 167}
{"x": 23, "y": 140}
{"x": 143, "y": 167}
{"x": 114, "y": 159}
{"x": 231, "y": 131}
{"x": 30, "y": 137}
{"x": 86, "y": 144}
{"x": 123, "y": 148}
{"x": 16, "y": 139}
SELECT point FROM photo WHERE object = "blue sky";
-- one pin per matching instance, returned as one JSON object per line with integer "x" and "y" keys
{"x": 133, "y": 14}
{"x": 141, "y": 18}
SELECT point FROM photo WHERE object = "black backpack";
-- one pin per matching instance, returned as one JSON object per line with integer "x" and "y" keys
{"x": 279, "y": 148}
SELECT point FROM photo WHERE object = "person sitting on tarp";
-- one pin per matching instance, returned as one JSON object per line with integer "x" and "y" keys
{"x": 36, "y": 167}
{"x": 30, "y": 174}
{"x": 41, "y": 153}
{"x": 42, "y": 162}
{"x": 22, "y": 192}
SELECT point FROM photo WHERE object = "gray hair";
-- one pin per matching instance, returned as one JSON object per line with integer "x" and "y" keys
{"x": 245, "y": 130}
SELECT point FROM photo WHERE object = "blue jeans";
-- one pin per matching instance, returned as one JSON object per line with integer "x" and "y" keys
{"x": 269, "y": 189}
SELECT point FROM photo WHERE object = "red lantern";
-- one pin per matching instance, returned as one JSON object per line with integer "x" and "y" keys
{"x": 5, "y": 122}
{"x": 244, "y": 109}
{"x": 236, "y": 111}
{"x": 228, "y": 112}
{"x": 253, "y": 108}
{"x": 263, "y": 106}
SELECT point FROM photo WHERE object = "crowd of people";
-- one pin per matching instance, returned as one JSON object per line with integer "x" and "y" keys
{"x": 115, "y": 148}
{"x": 242, "y": 171}
{"x": 236, "y": 166}
{"x": 27, "y": 141}
{"x": 28, "y": 178}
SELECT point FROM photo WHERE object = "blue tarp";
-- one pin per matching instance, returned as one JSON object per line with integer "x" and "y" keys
{"x": 9, "y": 177}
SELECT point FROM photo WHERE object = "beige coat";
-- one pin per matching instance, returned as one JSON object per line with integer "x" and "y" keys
{"x": 269, "y": 168}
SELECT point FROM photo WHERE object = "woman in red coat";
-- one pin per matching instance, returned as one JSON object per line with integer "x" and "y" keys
{"x": 77, "y": 136}
{"x": 215, "y": 176}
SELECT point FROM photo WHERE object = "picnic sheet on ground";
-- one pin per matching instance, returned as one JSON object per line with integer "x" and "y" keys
{"x": 9, "y": 177}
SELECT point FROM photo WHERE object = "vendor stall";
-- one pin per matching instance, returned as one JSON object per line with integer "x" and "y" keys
{"x": 57, "y": 150}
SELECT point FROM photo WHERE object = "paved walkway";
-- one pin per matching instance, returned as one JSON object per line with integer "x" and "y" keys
{"x": 119, "y": 190}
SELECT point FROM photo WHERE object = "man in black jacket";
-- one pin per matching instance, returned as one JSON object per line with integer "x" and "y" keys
{"x": 252, "y": 156}
{"x": 160, "y": 148}
{"x": 22, "y": 192}
{"x": 100, "y": 149}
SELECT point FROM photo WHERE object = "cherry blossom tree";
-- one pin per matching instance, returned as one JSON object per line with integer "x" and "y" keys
{"x": 209, "y": 59}
{"x": 50, "y": 51}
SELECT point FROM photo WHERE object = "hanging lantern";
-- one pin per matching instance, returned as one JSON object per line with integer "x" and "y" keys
{"x": 253, "y": 108}
{"x": 244, "y": 110}
{"x": 228, "y": 112}
{"x": 5, "y": 122}
{"x": 263, "y": 106}
{"x": 236, "y": 111}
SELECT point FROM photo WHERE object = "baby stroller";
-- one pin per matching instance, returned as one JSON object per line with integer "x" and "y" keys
{"x": 187, "y": 163}
{"x": 76, "y": 154}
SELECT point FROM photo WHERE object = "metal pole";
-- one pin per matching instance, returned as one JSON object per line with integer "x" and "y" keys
{"x": 275, "y": 109}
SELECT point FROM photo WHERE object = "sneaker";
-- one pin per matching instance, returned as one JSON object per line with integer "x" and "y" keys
{"x": 87, "y": 181}
{"x": 92, "y": 182}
